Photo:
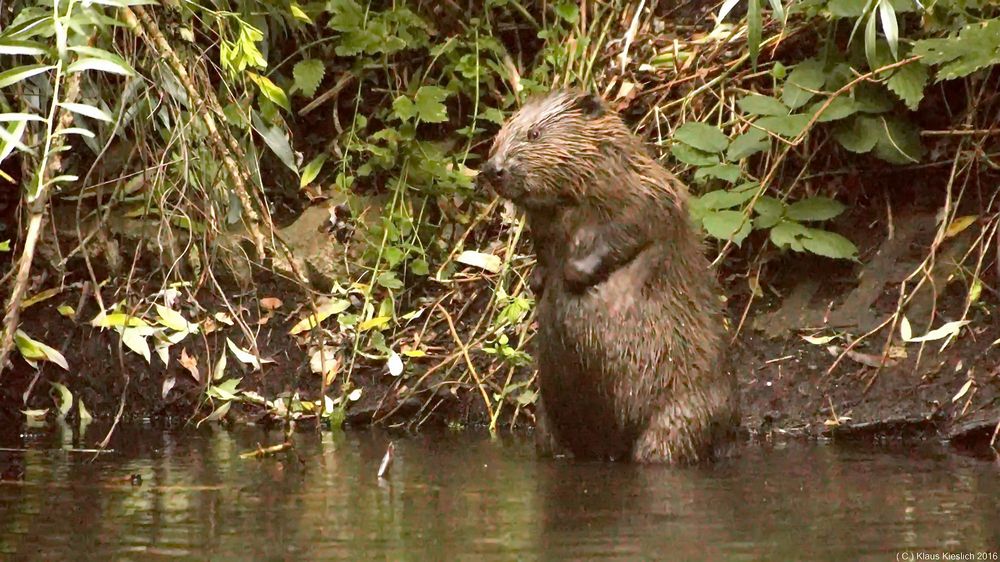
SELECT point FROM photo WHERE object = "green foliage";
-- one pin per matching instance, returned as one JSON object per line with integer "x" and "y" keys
{"x": 975, "y": 47}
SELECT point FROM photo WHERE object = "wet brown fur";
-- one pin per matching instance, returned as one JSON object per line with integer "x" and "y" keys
{"x": 631, "y": 350}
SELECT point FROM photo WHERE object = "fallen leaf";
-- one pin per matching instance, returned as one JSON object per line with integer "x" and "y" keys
{"x": 395, "y": 364}
{"x": 489, "y": 262}
{"x": 168, "y": 383}
{"x": 961, "y": 392}
{"x": 323, "y": 311}
{"x": 270, "y": 303}
{"x": 191, "y": 364}
{"x": 959, "y": 224}
{"x": 40, "y": 296}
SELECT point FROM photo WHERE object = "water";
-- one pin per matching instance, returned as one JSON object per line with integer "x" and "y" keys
{"x": 461, "y": 496}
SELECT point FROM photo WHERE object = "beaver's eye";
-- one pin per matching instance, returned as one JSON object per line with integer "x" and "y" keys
{"x": 532, "y": 134}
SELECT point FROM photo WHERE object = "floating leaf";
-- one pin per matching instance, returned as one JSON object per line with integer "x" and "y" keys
{"x": 488, "y": 262}
{"x": 702, "y": 136}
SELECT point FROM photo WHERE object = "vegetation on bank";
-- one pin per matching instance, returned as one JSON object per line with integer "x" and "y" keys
{"x": 159, "y": 154}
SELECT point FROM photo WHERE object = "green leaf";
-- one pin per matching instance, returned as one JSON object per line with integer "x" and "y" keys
{"x": 778, "y": 9}
{"x": 750, "y": 142}
{"x": 403, "y": 108}
{"x": 898, "y": 141}
{"x": 871, "y": 41}
{"x": 308, "y": 75}
{"x": 389, "y": 280}
{"x": 19, "y": 73}
{"x": 872, "y": 98}
{"x": 101, "y": 54}
{"x": 839, "y": 108}
{"x": 702, "y": 136}
{"x": 34, "y": 350}
{"x": 889, "y": 26}
{"x": 693, "y": 156}
{"x": 789, "y": 126}
{"x": 769, "y": 211}
{"x": 908, "y": 83}
{"x": 5, "y": 246}
{"x": 270, "y": 90}
{"x": 756, "y": 104}
{"x": 12, "y": 47}
{"x": 312, "y": 169}
{"x": 829, "y": 244}
{"x": 858, "y": 134}
{"x": 754, "y": 28}
{"x": 275, "y": 139}
{"x": 727, "y": 225}
{"x": 100, "y": 65}
{"x": 815, "y": 209}
{"x": 10, "y": 138}
{"x": 63, "y": 398}
{"x": 568, "y": 11}
{"x": 976, "y": 46}
{"x": 299, "y": 14}
{"x": 429, "y": 103}
{"x": 806, "y": 78}
{"x": 786, "y": 234}
{"x": 727, "y": 198}
{"x": 87, "y": 111}
{"x": 725, "y": 172}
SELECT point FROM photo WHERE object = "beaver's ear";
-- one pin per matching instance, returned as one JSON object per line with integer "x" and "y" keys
{"x": 590, "y": 104}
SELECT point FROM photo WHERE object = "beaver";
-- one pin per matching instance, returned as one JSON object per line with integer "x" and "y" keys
{"x": 630, "y": 347}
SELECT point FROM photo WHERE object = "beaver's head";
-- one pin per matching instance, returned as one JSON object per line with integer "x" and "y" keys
{"x": 552, "y": 148}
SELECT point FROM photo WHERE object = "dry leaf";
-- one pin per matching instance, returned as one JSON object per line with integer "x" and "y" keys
{"x": 191, "y": 364}
{"x": 271, "y": 303}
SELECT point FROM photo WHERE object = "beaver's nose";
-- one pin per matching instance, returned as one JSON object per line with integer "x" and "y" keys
{"x": 492, "y": 171}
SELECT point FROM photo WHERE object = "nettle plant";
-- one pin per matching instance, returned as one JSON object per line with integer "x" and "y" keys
{"x": 863, "y": 97}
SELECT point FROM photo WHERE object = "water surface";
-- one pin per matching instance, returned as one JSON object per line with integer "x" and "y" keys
{"x": 460, "y": 496}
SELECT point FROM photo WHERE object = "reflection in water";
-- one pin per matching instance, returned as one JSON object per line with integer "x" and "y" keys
{"x": 459, "y": 496}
